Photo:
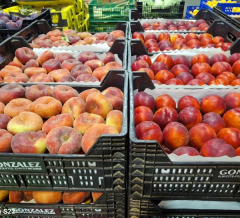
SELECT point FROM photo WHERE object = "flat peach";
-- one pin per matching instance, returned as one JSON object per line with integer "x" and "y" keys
{"x": 5, "y": 140}
{"x": 115, "y": 118}
{"x": 31, "y": 71}
{"x": 47, "y": 197}
{"x": 74, "y": 106}
{"x": 75, "y": 197}
{"x": 15, "y": 196}
{"x": 113, "y": 91}
{"x": 58, "y": 74}
{"x": 15, "y": 78}
{"x": 2, "y": 106}
{"x": 96, "y": 196}
{"x": 114, "y": 65}
{"x": 8, "y": 69}
{"x": 100, "y": 72}
{"x": 37, "y": 91}
{"x": 63, "y": 93}
{"x": 41, "y": 78}
{"x": 11, "y": 91}
{"x": 84, "y": 94}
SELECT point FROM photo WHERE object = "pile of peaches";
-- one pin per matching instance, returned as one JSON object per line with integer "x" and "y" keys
{"x": 49, "y": 197}
{"x": 209, "y": 126}
{"x": 199, "y": 70}
{"x": 58, "y": 120}
{"x": 164, "y": 42}
{"x": 198, "y": 25}
{"x": 62, "y": 67}
{"x": 56, "y": 38}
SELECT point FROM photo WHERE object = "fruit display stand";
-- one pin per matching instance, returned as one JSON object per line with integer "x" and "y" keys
{"x": 5, "y": 33}
{"x": 219, "y": 28}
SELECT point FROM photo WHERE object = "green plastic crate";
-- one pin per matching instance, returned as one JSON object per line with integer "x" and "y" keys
{"x": 102, "y": 26}
{"x": 105, "y": 12}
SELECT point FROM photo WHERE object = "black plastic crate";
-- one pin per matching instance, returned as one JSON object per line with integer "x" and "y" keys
{"x": 147, "y": 11}
{"x": 45, "y": 15}
{"x": 150, "y": 209}
{"x": 109, "y": 205}
{"x": 103, "y": 168}
{"x": 222, "y": 28}
{"x": 152, "y": 175}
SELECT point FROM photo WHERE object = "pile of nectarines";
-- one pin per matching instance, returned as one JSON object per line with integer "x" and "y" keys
{"x": 198, "y": 70}
{"x": 169, "y": 25}
{"x": 164, "y": 42}
{"x": 56, "y": 38}
{"x": 209, "y": 126}
{"x": 59, "y": 119}
{"x": 62, "y": 67}
{"x": 49, "y": 197}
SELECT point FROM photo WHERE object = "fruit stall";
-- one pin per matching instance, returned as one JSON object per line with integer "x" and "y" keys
{"x": 119, "y": 109}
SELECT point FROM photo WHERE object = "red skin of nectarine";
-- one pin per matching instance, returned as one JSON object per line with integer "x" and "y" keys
{"x": 179, "y": 68}
{"x": 220, "y": 67}
{"x": 205, "y": 77}
{"x": 157, "y": 66}
{"x": 214, "y": 120}
{"x": 231, "y": 118}
{"x": 182, "y": 60}
{"x": 145, "y": 58}
{"x": 165, "y": 101}
{"x": 144, "y": 99}
{"x": 174, "y": 81}
{"x": 231, "y": 136}
{"x": 186, "y": 150}
{"x": 200, "y": 68}
{"x": 141, "y": 114}
{"x": 232, "y": 100}
{"x": 233, "y": 58}
{"x": 196, "y": 82}
{"x": 165, "y": 59}
{"x": 139, "y": 64}
{"x": 213, "y": 103}
{"x": 163, "y": 76}
{"x": 200, "y": 58}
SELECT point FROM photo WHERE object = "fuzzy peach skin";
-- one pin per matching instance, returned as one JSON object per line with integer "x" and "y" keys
{"x": 11, "y": 91}
{"x": 85, "y": 120}
{"x": 231, "y": 118}
{"x": 29, "y": 142}
{"x": 27, "y": 195}
{"x": 3, "y": 195}
{"x": 29, "y": 64}
{"x": 63, "y": 93}
{"x": 16, "y": 106}
{"x": 36, "y": 91}
{"x": 84, "y": 94}
{"x": 15, "y": 196}
{"x": 2, "y": 106}
{"x": 5, "y": 140}
{"x": 4, "y": 120}
{"x": 31, "y": 71}
{"x": 40, "y": 78}
{"x": 64, "y": 140}
{"x": 24, "y": 54}
{"x": 15, "y": 78}
{"x": 58, "y": 74}
{"x": 25, "y": 122}
{"x": 115, "y": 118}
{"x": 47, "y": 197}
{"x": 8, "y": 69}
{"x": 93, "y": 133}
{"x": 57, "y": 121}
{"x": 97, "y": 103}
{"x": 74, "y": 106}
{"x": 96, "y": 196}
{"x": 46, "y": 106}
{"x": 115, "y": 96}
{"x": 75, "y": 197}
{"x": 45, "y": 56}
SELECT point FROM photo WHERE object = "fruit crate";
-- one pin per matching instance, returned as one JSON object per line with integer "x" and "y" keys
{"x": 103, "y": 26}
{"x": 229, "y": 32}
{"x": 103, "y": 168}
{"x": 108, "y": 205}
{"x": 42, "y": 27}
{"x": 106, "y": 12}
{"x": 148, "y": 11}
{"x": 87, "y": 24}
{"x": 6, "y": 33}
{"x": 152, "y": 209}
{"x": 189, "y": 11}
{"x": 153, "y": 175}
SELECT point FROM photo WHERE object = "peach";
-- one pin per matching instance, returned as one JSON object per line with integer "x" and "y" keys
{"x": 3, "y": 195}
{"x": 179, "y": 68}
{"x": 15, "y": 78}
{"x": 2, "y": 106}
{"x": 163, "y": 76}
{"x": 58, "y": 74}
{"x": 165, "y": 59}
{"x": 205, "y": 77}
{"x": 30, "y": 63}
{"x": 232, "y": 100}
{"x": 108, "y": 58}
{"x": 94, "y": 64}
{"x": 93, "y": 133}
{"x": 100, "y": 72}
{"x": 165, "y": 101}
{"x": 31, "y": 71}
{"x": 231, "y": 118}
{"x": 70, "y": 64}
{"x": 45, "y": 56}
{"x": 87, "y": 56}
{"x": 196, "y": 82}
{"x": 233, "y": 58}
{"x": 181, "y": 59}
{"x": 188, "y": 101}
{"x": 86, "y": 78}
{"x": 228, "y": 76}
{"x": 63, "y": 93}
{"x": 37, "y": 91}
{"x": 84, "y": 94}
{"x": 29, "y": 142}
{"x": 231, "y": 136}
{"x": 100, "y": 36}
{"x": 213, "y": 103}
{"x": 83, "y": 35}
{"x": 96, "y": 196}
{"x": 162, "y": 36}
{"x": 235, "y": 82}
{"x": 60, "y": 43}
{"x": 63, "y": 56}
{"x": 47, "y": 197}
{"x": 218, "y": 58}
{"x": 214, "y": 120}
{"x": 15, "y": 196}
{"x": 190, "y": 36}
{"x": 206, "y": 41}
{"x": 16, "y": 64}
{"x": 200, "y": 68}
{"x": 115, "y": 118}
{"x": 115, "y": 96}
{"x": 16, "y": 106}
{"x": 201, "y": 133}
{"x": 185, "y": 77}
{"x": 144, "y": 99}
{"x": 46, "y": 106}
{"x": 148, "y": 71}
{"x": 74, "y": 106}
{"x": 25, "y": 54}
{"x": 11, "y": 91}
{"x": 9, "y": 69}
{"x": 186, "y": 150}
{"x": 139, "y": 64}
{"x": 114, "y": 66}
{"x": 164, "y": 116}
{"x": 75, "y": 197}
{"x": 55, "y": 33}
{"x": 80, "y": 69}
{"x": 51, "y": 64}
{"x": 175, "y": 135}
{"x": 4, "y": 120}
{"x": 220, "y": 67}
{"x": 85, "y": 120}
{"x": 141, "y": 114}
{"x": 190, "y": 116}
{"x": 43, "y": 44}
{"x": 217, "y": 148}
{"x": 90, "y": 40}
{"x": 5, "y": 140}
{"x": 117, "y": 34}
{"x": 149, "y": 130}
{"x": 67, "y": 78}
{"x": 25, "y": 122}
{"x": 41, "y": 78}
{"x": 63, "y": 140}
{"x": 200, "y": 58}
{"x": 174, "y": 81}
{"x": 217, "y": 82}
{"x": 158, "y": 66}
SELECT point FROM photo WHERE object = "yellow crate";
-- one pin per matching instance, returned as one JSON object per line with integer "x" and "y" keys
{"x": 46, "y": 3}
{"x": 82, "y": 28}
{"x": 86, "y": 11}
{"x": 12, "y": 9}
{"x": 87, "y": 23}
{"x": 74, "y": 25}
{"x": 80, "y": 18}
